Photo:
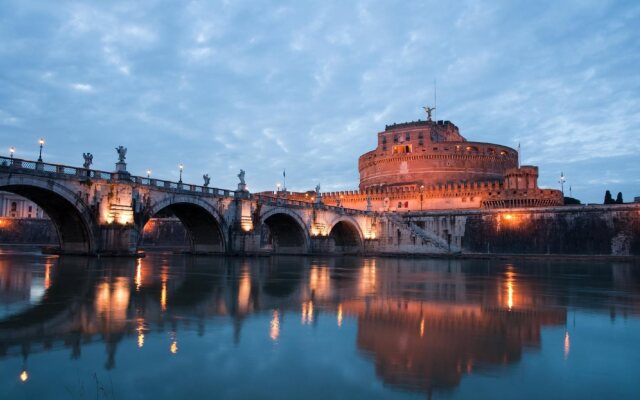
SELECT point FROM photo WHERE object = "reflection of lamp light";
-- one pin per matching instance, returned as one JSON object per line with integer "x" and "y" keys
{"x": 140, "y": 332}
{"x": 174, "y": 342}
{"x": 274, "y": 332}
{"x": 339, "y": 315}
{"x": 24, "y": 376}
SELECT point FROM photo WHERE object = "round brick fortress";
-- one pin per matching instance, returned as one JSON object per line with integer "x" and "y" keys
{"x": 430, "y": 153}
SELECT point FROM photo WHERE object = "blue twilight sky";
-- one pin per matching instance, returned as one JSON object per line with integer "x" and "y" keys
{"x": 305, "y": 86}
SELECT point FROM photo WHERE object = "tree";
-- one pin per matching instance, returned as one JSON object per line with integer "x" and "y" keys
{"x": 607, "y": 198}
{"x": 619, "y": 198}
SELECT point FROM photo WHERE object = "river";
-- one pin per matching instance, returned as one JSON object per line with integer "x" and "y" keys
{"x": 172, "y": 326}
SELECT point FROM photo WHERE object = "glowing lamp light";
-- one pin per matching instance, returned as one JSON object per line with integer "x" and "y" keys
{"x": 24, "y": 376}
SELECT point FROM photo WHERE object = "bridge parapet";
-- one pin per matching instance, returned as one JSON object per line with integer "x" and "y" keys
{"x": 17, "y": 165}
{"x": 282, "y": 201}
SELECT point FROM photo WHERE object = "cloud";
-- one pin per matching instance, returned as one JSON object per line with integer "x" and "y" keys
{"x": 82, "y": 87}
{"x": 264, "y": 86}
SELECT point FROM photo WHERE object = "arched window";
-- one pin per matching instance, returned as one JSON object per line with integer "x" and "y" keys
{"x": 14, "y": 206}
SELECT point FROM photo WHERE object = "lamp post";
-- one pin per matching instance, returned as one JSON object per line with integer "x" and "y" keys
{"x": 181, "y": 168}
{"x": 421, "y": 197}
{"x": 148, "y": 174}
{"x": 41, "y": 141}
{"x": 11, "y": 151}
{"x": 561, "y": 181}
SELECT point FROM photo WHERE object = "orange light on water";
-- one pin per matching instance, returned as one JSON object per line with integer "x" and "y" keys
{"x": 339, "y": 315}
{"x": 274, "y": 331}
{"x": 24, "y": 376}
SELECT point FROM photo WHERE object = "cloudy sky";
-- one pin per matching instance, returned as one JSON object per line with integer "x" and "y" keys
{"x": 305, "y": 85}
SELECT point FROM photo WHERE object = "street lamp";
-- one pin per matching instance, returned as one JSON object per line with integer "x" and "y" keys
{"x": 41, "y": 141}
{"x": 11, "y": 151}
{"x": 421, "y": 197}
{"x": 148, "y": 174}
{"x": 561, "y": 181}
{"x": 181, "y": 168}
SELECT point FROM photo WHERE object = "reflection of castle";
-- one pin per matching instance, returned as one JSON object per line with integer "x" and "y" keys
{"x": 428, "y": 346}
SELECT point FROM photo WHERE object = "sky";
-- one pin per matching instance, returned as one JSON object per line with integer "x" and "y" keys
{"x": 305, "y": 86}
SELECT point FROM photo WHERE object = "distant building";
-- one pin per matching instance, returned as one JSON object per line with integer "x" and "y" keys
{"x": 14, "y": 206}
{"x": 636, "y": 199}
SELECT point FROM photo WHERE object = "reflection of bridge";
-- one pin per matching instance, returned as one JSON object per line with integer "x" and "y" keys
{"x": 421, "y": 337}
{"x": 97, "y": 212}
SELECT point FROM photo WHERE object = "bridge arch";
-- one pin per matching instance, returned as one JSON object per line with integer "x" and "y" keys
{"x": 72, "y": 218}
{"x": 286, "y": 231}
{"x": 346, "y": 234}
{"x": 204, "y": 225}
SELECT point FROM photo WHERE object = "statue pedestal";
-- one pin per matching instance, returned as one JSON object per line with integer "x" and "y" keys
{"x": 121, "y": 171}
{"x": 242, "y": 187}
{"x": 318, "y": 199}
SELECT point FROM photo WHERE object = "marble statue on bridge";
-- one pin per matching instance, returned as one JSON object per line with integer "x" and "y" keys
{"x": 122, "y": 153}
{"x": 88, "y": 160}
{"x": 206, "y": 179}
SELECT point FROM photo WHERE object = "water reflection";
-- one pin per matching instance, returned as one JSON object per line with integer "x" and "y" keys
{"x": 423, "y": 324}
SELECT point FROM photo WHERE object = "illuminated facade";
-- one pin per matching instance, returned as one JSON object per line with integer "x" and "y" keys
{"x": 14, "y": 206}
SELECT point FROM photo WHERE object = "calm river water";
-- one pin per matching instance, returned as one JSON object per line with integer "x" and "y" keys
{"x": 172, "y": 326}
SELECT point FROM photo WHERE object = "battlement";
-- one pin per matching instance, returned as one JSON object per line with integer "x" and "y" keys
{"x": 418, "y": 123}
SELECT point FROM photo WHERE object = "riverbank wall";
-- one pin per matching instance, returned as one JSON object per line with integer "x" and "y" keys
{"x": 612, "y": 230}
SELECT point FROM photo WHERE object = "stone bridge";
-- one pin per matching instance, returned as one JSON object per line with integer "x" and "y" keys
{"x": 104, "y": 213}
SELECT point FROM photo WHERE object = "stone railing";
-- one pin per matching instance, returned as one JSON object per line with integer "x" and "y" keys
{"x": 282, "y": 201}
{"x": 65, "y": 171}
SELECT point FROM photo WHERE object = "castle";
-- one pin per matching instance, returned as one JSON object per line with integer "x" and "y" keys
{"x": 429, "y": 165}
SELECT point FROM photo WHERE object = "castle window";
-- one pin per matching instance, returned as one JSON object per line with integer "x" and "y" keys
{"x": 30, "y": 208}
{"x": 399, "y": 204}
{"x": 407, "y": 136}
{"x": 435, "y": 149}
{"x": 401, "y": 149}
{"x": 420, "y": 135}
{"x": 421, "y": 142}
{"x": 395, "y": 138}
{"x": 406, "y": 204}
{"x": 14, "y": 206}
{"x": 384, "y": 139}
